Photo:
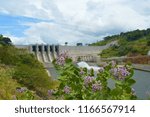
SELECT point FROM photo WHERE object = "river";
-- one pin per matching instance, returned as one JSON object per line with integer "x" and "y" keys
{"x": 142, "y": 85}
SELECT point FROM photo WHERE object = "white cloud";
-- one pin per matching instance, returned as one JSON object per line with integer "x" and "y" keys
{"x": 52, "y": 33}
{"x": 26, "y": 8}
{"x": 79, "y": 20}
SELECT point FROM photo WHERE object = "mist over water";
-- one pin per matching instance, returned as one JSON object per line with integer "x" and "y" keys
{"x": 84, "y": 64}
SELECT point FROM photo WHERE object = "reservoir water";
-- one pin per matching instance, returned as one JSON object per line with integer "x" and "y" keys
{"x": 142, "y": 85}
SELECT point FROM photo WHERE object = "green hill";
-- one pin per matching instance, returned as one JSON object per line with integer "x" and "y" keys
{"x": 19, "y": 68}
{"x": 131, "y": 43}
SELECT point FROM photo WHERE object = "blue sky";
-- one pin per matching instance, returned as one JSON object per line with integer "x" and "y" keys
{"x": 14, "y": 24}
{"x": 72, "y": 21}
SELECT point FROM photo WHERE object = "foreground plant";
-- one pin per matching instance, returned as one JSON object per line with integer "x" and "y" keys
{"x": 81, "y": 84}
{"x": 24, "y": 94}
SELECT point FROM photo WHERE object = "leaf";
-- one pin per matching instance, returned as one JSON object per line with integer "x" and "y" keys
{"x": 116, "y": 91}
{"x": 68, "y": 60}
{"x": 128, "y": 89}
{"x": 131, "y": 82}
{"x": 131, "y": 74}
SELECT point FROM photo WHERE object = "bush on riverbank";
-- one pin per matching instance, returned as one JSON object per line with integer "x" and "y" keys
{"x": 9, "y": 88}
{"x": 27, "y": 71}
{"x": 34, "y": 78}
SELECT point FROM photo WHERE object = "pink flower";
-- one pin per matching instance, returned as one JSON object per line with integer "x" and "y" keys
{"x": 61, "y": 58}
{"x": 67, "y": 89}
{"x": 113, "y": 63}
{"x": 88, "y": 80}
{"x": 50, "y": 92}
{"x": 120, "y": 72}
{"x": 96, "y": 87}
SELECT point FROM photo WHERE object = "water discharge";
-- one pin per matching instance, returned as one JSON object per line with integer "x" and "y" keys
{"x": 84, "y": 64}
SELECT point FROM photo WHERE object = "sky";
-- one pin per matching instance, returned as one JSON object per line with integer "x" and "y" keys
{"x": 72, "y": 21}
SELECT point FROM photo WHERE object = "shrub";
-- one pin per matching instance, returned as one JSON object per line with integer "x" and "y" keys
{"x": 28, "y": 71}
{"x": 9, "y": 55}
{"x": 7, "y": 84}
{"x": 33, "y": 78}
{"x": 80, "y": 84}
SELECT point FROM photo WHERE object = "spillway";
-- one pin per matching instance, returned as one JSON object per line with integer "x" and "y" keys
{"x": 39, "y": 56}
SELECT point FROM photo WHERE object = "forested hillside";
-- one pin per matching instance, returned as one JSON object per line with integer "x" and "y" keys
{"x": 131, "y": 43}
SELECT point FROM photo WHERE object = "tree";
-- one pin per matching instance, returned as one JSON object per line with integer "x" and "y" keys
{"x": 66, "y": 43}
{"x": 5, "y": 40}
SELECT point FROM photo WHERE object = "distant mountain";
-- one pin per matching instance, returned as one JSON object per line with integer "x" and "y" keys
{"x": 131, "y": 43}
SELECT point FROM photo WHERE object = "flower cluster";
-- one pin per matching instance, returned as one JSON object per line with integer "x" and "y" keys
{"x": 21, "y": 89}
{"x": 50, "y": 92}
{"x": 81, "y": 72}
{"x": 67, "y": 90}
{"x": 88, "y": 80}
{"x": 96, "y": 86}
{"x": 61, "y": 58}
{"x": 120, "y": 72}
{"x": 113, "y": 63}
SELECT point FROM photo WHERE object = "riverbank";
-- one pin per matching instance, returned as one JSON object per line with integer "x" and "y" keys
{"x": 142, "y": 67}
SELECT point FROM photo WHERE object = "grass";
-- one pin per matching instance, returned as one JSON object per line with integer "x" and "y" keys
{"x": 7, "y": 84}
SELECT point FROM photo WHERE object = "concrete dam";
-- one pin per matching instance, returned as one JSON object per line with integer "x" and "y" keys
{"x": 47, "y": 53}
{"x": 44, "y": 53}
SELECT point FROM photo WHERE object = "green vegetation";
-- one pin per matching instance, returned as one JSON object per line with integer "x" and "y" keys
{"x": 131, "y": 43}
{"x": 81, "y": 84}
{"x": 18, "y": 68}
{"x": 5, "y": 40}
{"x": 9, "y": 86}
{"x": 104, "y": 42}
